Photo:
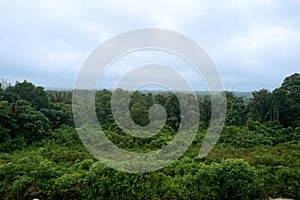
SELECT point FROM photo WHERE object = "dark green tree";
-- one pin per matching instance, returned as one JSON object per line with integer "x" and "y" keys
{"x": 5, "y": 121}
{"x": 29, "y": 92}
{"x": 139, "y": 114}
{"x": 260, "y": 106}
{"x": 28, "y": 122}
{"x": 172, "y": 107}
{"x": 59, "y": 114}
{"x": 236, "y": 110}
{"x": 287, "y": 96}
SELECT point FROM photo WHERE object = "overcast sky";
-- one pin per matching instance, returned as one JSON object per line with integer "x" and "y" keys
{"x": 254, "y": 44}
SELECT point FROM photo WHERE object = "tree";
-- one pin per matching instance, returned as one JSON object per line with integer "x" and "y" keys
{"x": 237, "y": 180}
{"x": 236, "y": 110}
{"x": 103, "y": 108}
{"x": 139, "y": 114}
{"x": 5, "y": 120}
{"x": 172, "y": 107}
{"x": 29, "y": 123}
{"x": 280, "y": 105}
{"x": 59, "y": 96}
{"x": 27, "y": 91}
{"x": 259, "y": 108}
{"x": 288, "y": 96}
{"x": 59, "y": 114}
{"x": 205, "y": 110}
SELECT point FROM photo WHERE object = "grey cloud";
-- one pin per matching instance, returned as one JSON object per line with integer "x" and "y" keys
{"x": 47, "y": 42}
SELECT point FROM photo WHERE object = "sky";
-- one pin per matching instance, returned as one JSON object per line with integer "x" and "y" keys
{"x": 254, "y": 44}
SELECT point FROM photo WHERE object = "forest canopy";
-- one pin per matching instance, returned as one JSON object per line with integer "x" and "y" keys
{"x": 256, "y": 157}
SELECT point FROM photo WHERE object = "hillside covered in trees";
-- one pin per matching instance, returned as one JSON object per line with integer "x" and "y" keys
{"x": 256, "y": 157}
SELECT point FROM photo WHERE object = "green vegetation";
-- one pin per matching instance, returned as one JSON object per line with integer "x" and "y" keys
{"x": 256, "y": 157}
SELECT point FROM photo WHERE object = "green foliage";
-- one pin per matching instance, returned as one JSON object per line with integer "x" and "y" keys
{"x": 27, "y": 91}
{"x": 5, "y": 117}
{"x": 68, "y": 185}
{"x": 139, "y": 114}
{"x": 103, "y": 108}
{"x": 257, "y": 155}
{"x": 243, "y": 137}
{"x": 280, "y": 181}
{"x": 13, "y": 144}
{"x": 60, "y": 96}
{"x": 282, "y": 105}
{"x": 255, "y": 133}
{"x": 236, "y": 110}
{"x": 237, "y": 180}
{"x": 289, "y": 112}
{"x": 260, "y": 106}
{"x": 29, "y": 123}
{"x": 59, "y": 114}
{"x": 173, "y": 111}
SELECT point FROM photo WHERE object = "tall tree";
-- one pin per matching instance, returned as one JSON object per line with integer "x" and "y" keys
{"x": 259, "y": 108}
{"x": 29, "y": 92}
{"x": 288, "y": 98}
{"x": 236, "y": 110}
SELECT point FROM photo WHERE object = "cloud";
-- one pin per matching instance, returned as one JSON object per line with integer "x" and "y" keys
{"x": 254, "y": 43}
{"x": 264, "y": 53}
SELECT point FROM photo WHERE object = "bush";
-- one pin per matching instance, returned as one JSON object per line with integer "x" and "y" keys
{"x": 232, "y": 179}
